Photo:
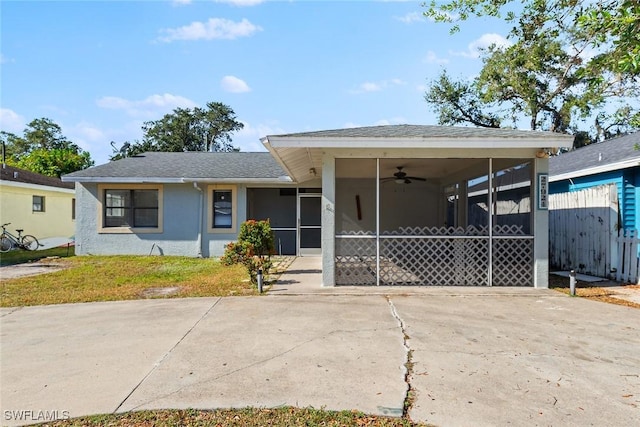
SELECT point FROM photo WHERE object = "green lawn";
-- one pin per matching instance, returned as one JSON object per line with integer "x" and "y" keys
{"x": 286, "y": 416}
{"x": 111, "y": 278}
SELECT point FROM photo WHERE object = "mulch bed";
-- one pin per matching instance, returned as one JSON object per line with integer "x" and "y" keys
{"x": 591, "y": 290}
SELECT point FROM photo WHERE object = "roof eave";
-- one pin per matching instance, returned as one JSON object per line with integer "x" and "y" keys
{"x": 185, "y": 180}
{"x": 560, "y": 141}
{"x": 267, "y": 143}
{"x": 595, "y": 170}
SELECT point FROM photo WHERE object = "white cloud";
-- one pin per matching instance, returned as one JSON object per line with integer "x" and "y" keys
{"x": 234, "y": 85}
{"x": 391, "y": 121}
{"x": 248, "y": 138}
{"x": 377, "y": 86}
{"x": 381, "y": 122}
{"x": 149, "y": 107}
{"x": 411, "y": 17}
{"x": 240, "y": 3}
{"x": 214, "y": 28}
{"x": 181, "y": 2}
{"x": 452, "y": 17}
{"x": 10, "y": 121}
{"x": 485, "y": 41}
{"x": 370, "y": 87}
{"x": 5, "y": 60}
{"x": 432, "y": 58}
{"x": 87, "y": 136}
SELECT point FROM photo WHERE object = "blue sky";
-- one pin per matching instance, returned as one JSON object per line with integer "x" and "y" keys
{"x": 100, "y": 69}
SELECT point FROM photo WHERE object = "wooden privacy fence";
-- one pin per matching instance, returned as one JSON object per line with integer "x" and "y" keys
{"x": 628, "y": 263}
{"x": 583, "y": 231}
{"x": 584, "y": 235}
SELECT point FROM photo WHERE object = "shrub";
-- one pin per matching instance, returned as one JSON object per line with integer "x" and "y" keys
{"x": 253, "y": 249}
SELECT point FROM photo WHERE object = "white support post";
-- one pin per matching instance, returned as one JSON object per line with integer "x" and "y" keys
{"x": 490, "y": 222}
{"x": 540, "y": 227}
{"x": 377, "y": 221}
{"x": 328, "y": 220}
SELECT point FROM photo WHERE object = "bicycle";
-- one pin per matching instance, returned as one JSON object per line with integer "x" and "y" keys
{"x": 8, "y": 240}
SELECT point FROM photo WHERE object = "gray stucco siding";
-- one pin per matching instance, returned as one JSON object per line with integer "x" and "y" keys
{"x": 214, "y": 243}
{"x": 180, "y": 218}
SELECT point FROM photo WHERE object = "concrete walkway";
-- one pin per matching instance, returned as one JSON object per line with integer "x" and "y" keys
{"x": 534, "y": 357}
{"x": 304, "y": 277}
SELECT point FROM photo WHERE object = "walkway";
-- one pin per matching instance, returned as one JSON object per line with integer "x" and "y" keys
{"x": 304, "y": 277}
{"x": 475, "y": 356}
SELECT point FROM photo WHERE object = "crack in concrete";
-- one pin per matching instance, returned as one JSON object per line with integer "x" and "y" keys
{"x": 248, "y": 366}
{"x": 408, "y": 365}
{"x": 157, "y": 364}
{"x": 11, "y": 310}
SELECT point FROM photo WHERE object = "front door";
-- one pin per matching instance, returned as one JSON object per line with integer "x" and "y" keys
{"x": 309, "y": 224}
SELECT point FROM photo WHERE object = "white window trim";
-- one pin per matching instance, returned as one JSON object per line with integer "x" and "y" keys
{"x": 234, "y": 209}
{"x": 129, "y": 230}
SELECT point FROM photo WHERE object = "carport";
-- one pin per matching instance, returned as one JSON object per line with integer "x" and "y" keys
{"x": 428, "y": 205}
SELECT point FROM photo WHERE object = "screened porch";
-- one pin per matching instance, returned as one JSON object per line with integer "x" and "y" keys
{"x": 434, "y": 222}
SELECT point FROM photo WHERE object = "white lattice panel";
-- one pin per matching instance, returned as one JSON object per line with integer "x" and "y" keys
{"x": 512, "y": 262}
{"x": 355, "y": 261}
{"x": 435, "y": 261}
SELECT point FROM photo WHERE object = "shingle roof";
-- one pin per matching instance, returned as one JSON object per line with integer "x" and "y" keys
{"x": 609, "y": 152}
{"x": 13, "y": 174}
{"x": 190, "y": 165}
{"x": 422, "y": 131}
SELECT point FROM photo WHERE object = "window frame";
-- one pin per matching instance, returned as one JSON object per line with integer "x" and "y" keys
{"x": 42, "y": 204}
{"x": 234, "y": 208}
{"x": 102, "y": 228}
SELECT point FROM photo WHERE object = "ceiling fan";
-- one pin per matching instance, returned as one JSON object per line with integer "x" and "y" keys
{"x": 400, "y": 177}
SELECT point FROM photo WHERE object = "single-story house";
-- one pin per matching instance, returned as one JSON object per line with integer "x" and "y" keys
{"x": 382, "y": 205}
{"x": 615, "y": 161}
{"x": 43, "y": 206}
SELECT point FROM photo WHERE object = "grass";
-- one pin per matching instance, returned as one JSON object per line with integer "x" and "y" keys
{"x": 114, "y": 278}
{"x": 21, "y": 256}
{"x": 285, "y": 416}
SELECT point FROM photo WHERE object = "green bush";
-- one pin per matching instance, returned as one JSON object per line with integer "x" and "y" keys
{"x": 253, "y": 249}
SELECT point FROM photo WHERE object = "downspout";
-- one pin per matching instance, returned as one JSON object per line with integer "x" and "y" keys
{"x": 195, "y": 185}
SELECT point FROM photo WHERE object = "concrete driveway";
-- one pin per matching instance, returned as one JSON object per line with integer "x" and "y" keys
{"x": 534, "y": 358}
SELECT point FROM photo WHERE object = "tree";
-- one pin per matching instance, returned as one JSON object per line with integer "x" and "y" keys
{"x": 55, "y": 162}
{"x": 44, "y": 149}
{"x": 185, "y": 129}
{"x": 457, "y": 102}
{"x": 616, "y": 25}
{"x": 546, "y": 74}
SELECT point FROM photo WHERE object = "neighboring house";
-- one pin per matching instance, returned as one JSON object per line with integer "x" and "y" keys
{"x": 383, "y": 205}
{"x": 595, "y": 218}
{"x": 616, "y": 161}
{"x": 43, "y": 206}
